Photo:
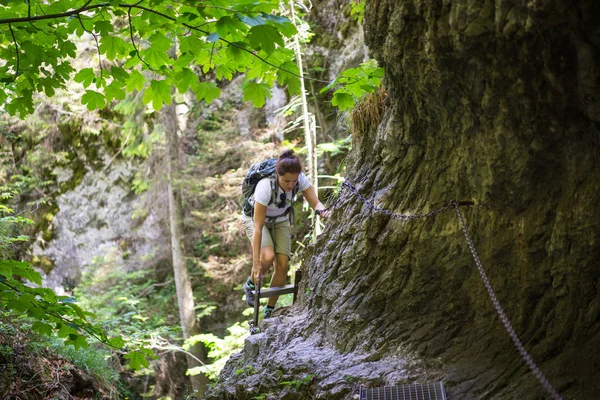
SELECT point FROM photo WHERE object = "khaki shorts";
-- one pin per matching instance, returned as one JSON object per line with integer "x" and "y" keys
{"x": 279, "y": 231}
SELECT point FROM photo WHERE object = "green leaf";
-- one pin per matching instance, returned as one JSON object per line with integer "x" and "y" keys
{"x": 113, "y": 46}
{"x": 158, "y": 93}
{"x": 160, "y": 42}
{"x": 223, "y": 71}
{"x": 257, "y": 93}
{"x": 230, "y": 26}
{"x": 286, "y": 78}
{"x": 21, "y": 105}
{"x": 65, "y": 329}
{"x": 103, "y": 27}
{"x": 64, "y": 70}
{"x": 3, "y": 96}
{"x": 135, "y": 81}
{"x": 264, "y": 37}
{"x": 46, "y": 294}
{"x": 75, "y": 26}
{"x": 184, "y": 60}
{"x": 137, "y": 359}
{"x": 343, "y": 101}
{"x": 86, "y": 76}
{"x": 185, "y": 79}
{"x": 117, "y": 342}
{"x": 94, "y": 100}
{"x": 119, "y": 74}
{"x": 207, "y": 91}
{"x": 42, "y": 328}
{"x": 236, "y": 52}
{"x": 190, "y": 44}
{"x": 78, "y": 341}
{"x": 68, "y": 48}
{"x": 115, "y": 91}
{"x": 156, "y": 58}
{"x": 282, "y": 24}
{"x": 8, "y": 268}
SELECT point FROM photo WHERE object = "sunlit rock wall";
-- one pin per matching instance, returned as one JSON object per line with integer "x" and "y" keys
{"x": 102, "y": 225}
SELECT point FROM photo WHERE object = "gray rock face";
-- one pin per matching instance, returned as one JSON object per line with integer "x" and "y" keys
{"x": 485, "y": 103}
{"x": 280, "y": 364}
{"x": 101, "y": 222}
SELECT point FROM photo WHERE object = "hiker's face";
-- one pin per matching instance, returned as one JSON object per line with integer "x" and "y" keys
{"x": 287, "y": 181}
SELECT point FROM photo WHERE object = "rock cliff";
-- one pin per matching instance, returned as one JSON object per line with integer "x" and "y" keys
{"x": 495, "y": 102}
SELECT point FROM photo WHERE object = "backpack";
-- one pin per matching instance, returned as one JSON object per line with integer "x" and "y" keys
{"x": 257, "y": 172}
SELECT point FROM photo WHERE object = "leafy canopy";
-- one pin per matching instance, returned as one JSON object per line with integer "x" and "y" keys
{"x": 148, "y": 44}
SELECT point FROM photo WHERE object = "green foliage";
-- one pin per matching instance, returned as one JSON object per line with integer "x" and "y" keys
{"x": 125, "y": 302}
{"x": 247, "y": 370}
{"x": 53, "y": 314}
{"x": 358, "y": 9}
{"x": 139, "y": 184}
{"x": 354, "y": 83}
{"x": 93, "y": 360}
{"x": 219, "y": 349}
{"x": 174, "y": 40}
{"x": 9, "y": 227}
{"x": 297, "y": 384}
{"x": 339, "y": 146}
{"x": 38, "y": 361}
{"x": 257, "y": 93}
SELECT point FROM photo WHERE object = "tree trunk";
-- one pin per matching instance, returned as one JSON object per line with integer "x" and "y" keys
{"x": 185, "y": 296}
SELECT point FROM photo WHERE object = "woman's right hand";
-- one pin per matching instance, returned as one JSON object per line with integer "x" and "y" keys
{"x": 256, "y": 273}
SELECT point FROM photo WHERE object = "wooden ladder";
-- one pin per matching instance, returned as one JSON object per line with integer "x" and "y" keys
{"x": 270, "y": 292}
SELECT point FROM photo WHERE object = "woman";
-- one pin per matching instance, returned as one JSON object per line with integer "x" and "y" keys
{"x": 269, "y": 228}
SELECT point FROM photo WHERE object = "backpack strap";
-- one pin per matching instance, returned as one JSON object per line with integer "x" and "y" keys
{"x": 274, "y": 187}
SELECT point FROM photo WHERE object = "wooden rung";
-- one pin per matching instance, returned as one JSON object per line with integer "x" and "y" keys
{"x": 276, "y": 291}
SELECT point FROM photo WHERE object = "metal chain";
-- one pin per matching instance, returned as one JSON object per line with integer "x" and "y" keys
{"x": 511, "y": 331}
{"x": 403, "y": 217}
{"x": 507, "y": 325}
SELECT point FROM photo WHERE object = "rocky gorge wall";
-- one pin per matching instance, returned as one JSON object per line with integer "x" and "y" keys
{"x": 495, "y": 102}
{"x": 101, "y": 224}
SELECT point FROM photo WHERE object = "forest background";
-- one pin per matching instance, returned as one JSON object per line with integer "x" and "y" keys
{"x": 90, "y": 179}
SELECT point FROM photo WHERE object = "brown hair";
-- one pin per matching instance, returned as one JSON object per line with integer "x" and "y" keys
{"x": 288, "y": 162}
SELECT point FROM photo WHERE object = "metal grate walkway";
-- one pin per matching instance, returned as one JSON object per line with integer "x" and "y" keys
{"x": 414, "y": 391}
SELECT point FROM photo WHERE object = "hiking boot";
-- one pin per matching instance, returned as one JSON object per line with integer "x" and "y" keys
{"x": 268, "y": 311}
{"x": 249, "y": 287}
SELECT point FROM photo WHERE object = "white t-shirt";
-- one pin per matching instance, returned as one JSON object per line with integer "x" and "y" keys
{"x": 262, "y": 195}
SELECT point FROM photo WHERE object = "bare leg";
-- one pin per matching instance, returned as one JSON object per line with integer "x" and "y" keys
{"x": 279, "y": 276}
{"x": 267, "y": 255}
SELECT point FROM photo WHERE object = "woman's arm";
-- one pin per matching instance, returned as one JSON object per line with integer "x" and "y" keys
{"x": 311, "y": 196}
{"x": 260, "y": 213}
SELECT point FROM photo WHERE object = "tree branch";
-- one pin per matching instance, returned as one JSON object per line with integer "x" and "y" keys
{"x": 16, "y": 51}
{"x": 97, "y": 45}
{"x": 133, "y": 41}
